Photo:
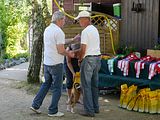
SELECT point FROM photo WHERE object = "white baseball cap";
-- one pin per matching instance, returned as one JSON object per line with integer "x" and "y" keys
{"x": 83, "y": 14}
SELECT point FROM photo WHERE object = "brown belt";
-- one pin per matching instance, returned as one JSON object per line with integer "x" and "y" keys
{"x": 93, "y": 55}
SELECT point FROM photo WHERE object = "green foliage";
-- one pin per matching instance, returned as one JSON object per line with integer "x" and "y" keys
{"x": 17, "y": 56}
{"x": 125, "y": 50}
{"x": 22, "y": 55}
{"x": 6, "y": 56}
{"x": 157, "y": 47}
{"x": 14, "y": 17}
{"x": 1, "y": 60}
{"x": 13, "y": 45}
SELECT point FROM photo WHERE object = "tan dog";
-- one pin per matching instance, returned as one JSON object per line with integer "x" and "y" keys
{"x": 75, "y": 93}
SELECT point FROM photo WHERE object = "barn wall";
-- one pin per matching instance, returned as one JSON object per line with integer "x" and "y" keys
{"x": 140, "y": 30}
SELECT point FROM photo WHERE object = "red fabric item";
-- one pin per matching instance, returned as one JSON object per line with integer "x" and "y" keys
{"x": 124, "y": 63}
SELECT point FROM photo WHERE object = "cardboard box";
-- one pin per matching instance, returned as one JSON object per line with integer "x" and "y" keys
{"x": 153, "y": 53}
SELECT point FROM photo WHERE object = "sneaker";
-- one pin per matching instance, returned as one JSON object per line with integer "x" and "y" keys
{"x": 58, "y": 114}
{"x": 35, "y": 110}
{"x": 97, "y": 111}
{"x": 87, "y": 114}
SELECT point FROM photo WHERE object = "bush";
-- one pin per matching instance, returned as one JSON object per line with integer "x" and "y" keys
{"x": 157, "y": 47}
{"x": 13, "y": 27}
{"x": 6, "y": 56}
{"x": 21, "y": 55}
{"x": 17, "y": 56}
{"x": 1, "y": 61}
{"x": 125, "y": 50}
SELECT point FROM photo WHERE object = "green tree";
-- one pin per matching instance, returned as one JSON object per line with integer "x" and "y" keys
{"x": 39, "y": 17}
{"x": 13, "y": 25}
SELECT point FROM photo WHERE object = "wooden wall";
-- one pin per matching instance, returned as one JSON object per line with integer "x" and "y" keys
{"x": 139, "y": 30}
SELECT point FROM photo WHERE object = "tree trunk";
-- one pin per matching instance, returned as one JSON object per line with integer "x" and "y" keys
{"x": 47, "y": 19}
{"x": 36, "y": 54}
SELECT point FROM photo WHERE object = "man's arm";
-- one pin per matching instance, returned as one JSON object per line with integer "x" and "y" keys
{"x": 61, "y": 50}
{"x": 68, "y": 41}
{"x": 82, "y": 51}
{"x": 70, "y": 66}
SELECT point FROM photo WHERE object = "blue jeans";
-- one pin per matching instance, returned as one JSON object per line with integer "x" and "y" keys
{"x": 90, "y": 67}
{"x": 53, "y": 78}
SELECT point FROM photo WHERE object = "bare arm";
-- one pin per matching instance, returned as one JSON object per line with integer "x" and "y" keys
{"x": 68, "y": 41}
{"x": 82, "y": 51}
{"x": 72, "y": 40}
{"x": 70, "y": 66}
{"x": 61, "y": 50}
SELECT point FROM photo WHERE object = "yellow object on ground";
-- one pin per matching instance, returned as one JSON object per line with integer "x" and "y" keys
{"x": 136, "y": 106}
{"x": 158, "y": 106}
{"x": 141, "y": 103}
{"x": 153, "y": 101}
{"x": 132, "y": 103}
{"x": 124, "y": 89}
{"x": 129, "y": 95}
{"x": 146, "y": 102}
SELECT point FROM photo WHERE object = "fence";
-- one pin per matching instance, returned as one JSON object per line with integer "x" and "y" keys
{"x": 72, "y": 28}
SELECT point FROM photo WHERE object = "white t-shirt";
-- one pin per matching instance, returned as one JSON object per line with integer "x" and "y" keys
{"x": 90, "y": 37}
{"x": 53, "y": 35}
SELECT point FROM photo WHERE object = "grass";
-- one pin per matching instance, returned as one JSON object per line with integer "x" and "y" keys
{"x": 29, "y": 88}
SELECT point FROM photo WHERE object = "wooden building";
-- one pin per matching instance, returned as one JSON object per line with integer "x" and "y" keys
{"x": 140, "y": 27}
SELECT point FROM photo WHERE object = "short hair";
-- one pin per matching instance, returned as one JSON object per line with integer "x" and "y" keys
{"x": 57, "y": 16}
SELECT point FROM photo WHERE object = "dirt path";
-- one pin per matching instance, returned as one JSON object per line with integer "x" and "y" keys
{"x": 15, "y": 103}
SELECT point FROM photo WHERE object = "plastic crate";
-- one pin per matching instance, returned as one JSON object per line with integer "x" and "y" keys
{"x": 117, "y": 10}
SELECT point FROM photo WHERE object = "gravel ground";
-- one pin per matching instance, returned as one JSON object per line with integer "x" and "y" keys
{"x": 15, "y": 103}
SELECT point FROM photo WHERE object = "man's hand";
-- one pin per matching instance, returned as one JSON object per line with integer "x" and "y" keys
{"x": 77, "y": 37}
{"x": 71, "y": 54}
{"x": 79, "y": 62}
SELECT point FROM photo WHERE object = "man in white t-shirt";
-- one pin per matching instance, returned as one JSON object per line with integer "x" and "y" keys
{"x": 90, "y": 64}
{"x": 54, "y": 51}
